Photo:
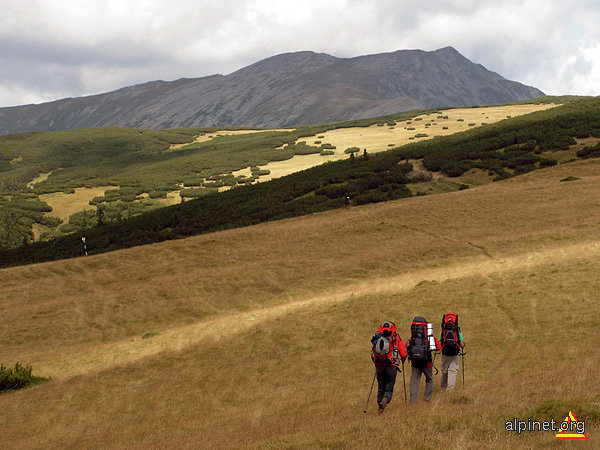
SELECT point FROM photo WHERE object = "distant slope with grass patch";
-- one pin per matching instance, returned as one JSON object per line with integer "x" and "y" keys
{"x": 447, "y": 163}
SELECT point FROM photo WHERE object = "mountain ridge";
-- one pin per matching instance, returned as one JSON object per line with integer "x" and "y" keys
{"x": 289, "y": 89}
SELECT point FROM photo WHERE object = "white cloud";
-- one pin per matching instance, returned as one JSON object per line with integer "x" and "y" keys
{"x": 71, "y": 47}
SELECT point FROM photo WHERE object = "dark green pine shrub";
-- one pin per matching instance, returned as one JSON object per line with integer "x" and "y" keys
{"x": 157, "y": 194}
{"x": 261, "y": 172}
{"x": 589, "y": 152}
{"x": 200, "y": 192}
{"x": 18, "y": 377}
{"x": 547, "y": 162}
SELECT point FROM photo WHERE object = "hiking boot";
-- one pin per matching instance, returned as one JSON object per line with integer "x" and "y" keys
{"x": 382, "y": 405}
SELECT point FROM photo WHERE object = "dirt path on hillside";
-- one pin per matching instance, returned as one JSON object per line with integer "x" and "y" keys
{"x": 125, "y": 352}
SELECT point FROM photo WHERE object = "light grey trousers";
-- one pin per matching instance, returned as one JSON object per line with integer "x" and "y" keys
{"x": 415, "y": 381}
{"x": 449, "y": 372}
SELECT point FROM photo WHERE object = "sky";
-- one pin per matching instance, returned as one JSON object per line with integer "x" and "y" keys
{"x": 68, "y": 48}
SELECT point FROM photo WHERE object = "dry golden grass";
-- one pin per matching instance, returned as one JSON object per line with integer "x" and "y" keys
{"x": 380, "y": 138}
{"x": 63, "y": 205}
{"x": 297, "y": 163}
{"x": 246, "y": 320}
{"x": 41, "y": 177}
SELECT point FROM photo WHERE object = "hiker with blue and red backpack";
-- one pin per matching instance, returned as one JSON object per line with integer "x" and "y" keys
{"x": 387, "y": 353}
{"x": 420, "y": 347}
{"x": 452, "y": 344}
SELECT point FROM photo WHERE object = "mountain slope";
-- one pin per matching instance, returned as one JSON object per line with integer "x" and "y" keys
{"x": 489, "y": 153}
{"x": 518, "y": 260}
{"x": 284, "y": 90}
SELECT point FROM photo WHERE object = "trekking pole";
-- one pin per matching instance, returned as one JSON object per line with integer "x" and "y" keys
{"x": 404, "y": 379}
{"x": 369, "y": 397}
{"x": 462, "y": 355}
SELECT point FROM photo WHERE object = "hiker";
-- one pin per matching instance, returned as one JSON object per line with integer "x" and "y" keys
{"x": 387, "y": 353}
{"x": 453, "y": 342}
{"x": 347, "y": 201}
{"x": 419, "y": 349}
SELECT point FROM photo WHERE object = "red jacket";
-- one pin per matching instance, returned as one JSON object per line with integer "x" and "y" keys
{"x": 399, "y": 352}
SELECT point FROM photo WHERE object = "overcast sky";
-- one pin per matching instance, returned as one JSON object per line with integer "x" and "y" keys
{"x": 67, "y": 48}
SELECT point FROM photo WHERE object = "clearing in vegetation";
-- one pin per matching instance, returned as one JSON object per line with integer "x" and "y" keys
{"x": 64, "y": 205}
{"x": 384, "y": 135}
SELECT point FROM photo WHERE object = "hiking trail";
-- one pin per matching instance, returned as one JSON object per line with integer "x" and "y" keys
{"x": 128, "y": 351}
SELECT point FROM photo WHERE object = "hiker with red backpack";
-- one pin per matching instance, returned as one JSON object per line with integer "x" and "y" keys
{"x": 452, "y": 344}
{"x": 387, "y": 353}
{"x": 420, "y": 346}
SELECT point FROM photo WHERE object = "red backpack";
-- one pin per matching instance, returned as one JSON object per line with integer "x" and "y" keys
{"x": 450, "y": 335}
{"x": 383, "y": 344}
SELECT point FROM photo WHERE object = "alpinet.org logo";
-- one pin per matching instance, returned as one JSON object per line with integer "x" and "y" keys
{"x": 570, "y": 428}
{"x": 566, "y": 428}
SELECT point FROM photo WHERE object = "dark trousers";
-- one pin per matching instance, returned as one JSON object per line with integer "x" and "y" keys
{"x": 386, "y": 378}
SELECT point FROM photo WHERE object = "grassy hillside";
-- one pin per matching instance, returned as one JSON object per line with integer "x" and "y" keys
{"x": 52, "y": 184}
{"x": 144, "y": 159}
{"x": 225, "y": 339}
{"x": 478, "y": 156}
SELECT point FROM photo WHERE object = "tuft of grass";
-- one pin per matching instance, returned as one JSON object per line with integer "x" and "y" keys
{"x": 570, "y": 178}
{"x": 462, "y": 400}
{"x": 558, "y": 408}
{"x": 150, "y": 334}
